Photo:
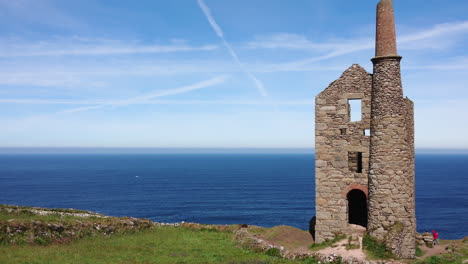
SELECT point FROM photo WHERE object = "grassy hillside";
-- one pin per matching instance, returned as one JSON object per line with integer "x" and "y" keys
{"x": 161, "y": 245}
{"x": 38, "y": 235}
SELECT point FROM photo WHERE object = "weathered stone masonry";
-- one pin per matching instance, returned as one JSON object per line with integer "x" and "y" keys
{"x": 379, "y": 168}
{"x": 391, "y": 175}
{"x": 337, "y": 138}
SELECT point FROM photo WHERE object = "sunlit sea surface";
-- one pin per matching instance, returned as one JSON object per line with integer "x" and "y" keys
{"x": 258, "y": 189}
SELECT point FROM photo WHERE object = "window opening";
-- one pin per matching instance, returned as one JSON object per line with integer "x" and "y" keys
{"x": 355, "y": 110}
{"x": 355, "y": 161}
{"x": 367, "y": 132}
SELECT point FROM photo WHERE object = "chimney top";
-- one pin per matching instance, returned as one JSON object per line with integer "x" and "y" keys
{"x": 385, "y": 44}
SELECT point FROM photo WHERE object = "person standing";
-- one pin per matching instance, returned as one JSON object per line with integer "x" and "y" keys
{"x": 435, "y": 236}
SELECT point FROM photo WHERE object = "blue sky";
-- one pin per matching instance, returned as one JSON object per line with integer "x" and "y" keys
{"x": 212, "y": 73}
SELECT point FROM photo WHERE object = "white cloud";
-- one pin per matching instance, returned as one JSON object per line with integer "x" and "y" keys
{"x": 438, "y": 30}
{"x": 437, "y": 34}
{"x": 93, "y": 47}
{"x": 99, "y": 71}
{"x": 163, "y": 102}
{"x": 256, "y": 129}
{"x": 288, "y": 41}
{"x": 451, "y": 64}
{"x": 43, "y": 12}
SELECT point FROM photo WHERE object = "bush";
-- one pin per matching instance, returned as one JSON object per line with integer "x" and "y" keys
{"x": 274, "y": 252}
{"x": 419, "y": 252}
{"x": 376, "y": 249}
{"x": 312, "y": 260}
{"x": 433, "y": 260}
{"x": 40, "y": 241}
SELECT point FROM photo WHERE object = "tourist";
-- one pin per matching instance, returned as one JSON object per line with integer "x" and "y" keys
{"x": 436, "y": 238}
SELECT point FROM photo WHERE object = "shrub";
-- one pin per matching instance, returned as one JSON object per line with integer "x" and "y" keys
{"x": 419, "y": 252}
{"x": 274, "y": 252}
{"x": 376, "y": 249}
{"x": 433, "y": 260}
{"x": 40, "y": 241}
{"x": 312, "y": 260}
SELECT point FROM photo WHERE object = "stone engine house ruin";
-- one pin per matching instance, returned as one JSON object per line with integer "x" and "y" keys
{"x": 365, "y": 149}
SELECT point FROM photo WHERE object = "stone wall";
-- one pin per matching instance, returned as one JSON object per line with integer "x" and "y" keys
{"x": 391, "y": 175}
{"x": 337, "y": 137}
{"x": 387, "y": 167}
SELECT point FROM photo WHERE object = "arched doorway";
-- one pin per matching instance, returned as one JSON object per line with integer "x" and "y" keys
{"x": 357, "y": 207}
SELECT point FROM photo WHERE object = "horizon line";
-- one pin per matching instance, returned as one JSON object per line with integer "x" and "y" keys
{"x": 189, "y": 150}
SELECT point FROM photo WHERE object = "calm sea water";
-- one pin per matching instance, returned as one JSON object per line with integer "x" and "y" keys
{"x": 258, "y": 189}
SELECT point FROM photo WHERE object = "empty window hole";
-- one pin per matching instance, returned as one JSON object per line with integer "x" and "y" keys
{"x": 343, "y": 131}
{"x": 355, "y": 110}
{"x": 367, "y": 132}
{"x": 355, "y": 161}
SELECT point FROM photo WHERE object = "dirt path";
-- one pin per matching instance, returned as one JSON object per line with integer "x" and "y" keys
{"x": 295, "y": 242}
{"x": 436, "y": 250}
{"x": 442, "y": 248}
{"x": 298, "y": 241}
{"x": 341, "y": 250}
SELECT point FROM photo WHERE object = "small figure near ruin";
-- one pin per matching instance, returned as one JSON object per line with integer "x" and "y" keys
{"x": 435, "y": 236}
{"x": 364, "y": 136}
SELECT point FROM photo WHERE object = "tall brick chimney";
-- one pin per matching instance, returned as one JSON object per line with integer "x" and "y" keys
{"x": 385, "y": 44}
{"x": 391, "y": 173}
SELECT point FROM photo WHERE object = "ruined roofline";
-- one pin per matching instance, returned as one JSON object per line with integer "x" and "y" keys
{"x": 354, "y": 67}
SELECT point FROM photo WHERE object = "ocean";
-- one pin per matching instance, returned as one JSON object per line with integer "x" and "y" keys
{"x": 256, "y": 189}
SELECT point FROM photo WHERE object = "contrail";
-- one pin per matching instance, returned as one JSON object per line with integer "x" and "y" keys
{"x": 153, "y": 95}
{"x": 217, "y": 29}
{"x": 92, "y": 104}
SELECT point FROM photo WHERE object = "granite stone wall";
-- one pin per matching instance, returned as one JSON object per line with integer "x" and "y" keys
{"x": 391, "y": 174}
{"x": 337, "y": 138}
{"x": 382, "y": 165}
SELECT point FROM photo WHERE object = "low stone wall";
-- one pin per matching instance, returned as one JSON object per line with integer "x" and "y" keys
{"x": 61, "y": 225}
{"x": 38, "y": 232}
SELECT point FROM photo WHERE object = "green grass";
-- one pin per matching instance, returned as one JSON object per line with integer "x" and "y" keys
{"x": 350, "y": 247}
{"x": 273, "y": 252}
{"x": 419, "y": 252}
{"x": 19, "y": 226}
{"x": 444, "y": 259}
{"x": 376, "y": 249}
{"x": 329, "y": 243}
{"x": 458, "y": 256}
{"x": 162, "y": 245}
{"x": 24, "y": 215}
{"x": 57, "y": 210}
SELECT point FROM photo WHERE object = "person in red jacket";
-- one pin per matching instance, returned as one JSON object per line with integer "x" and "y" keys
{"x": 435, "y": 235}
